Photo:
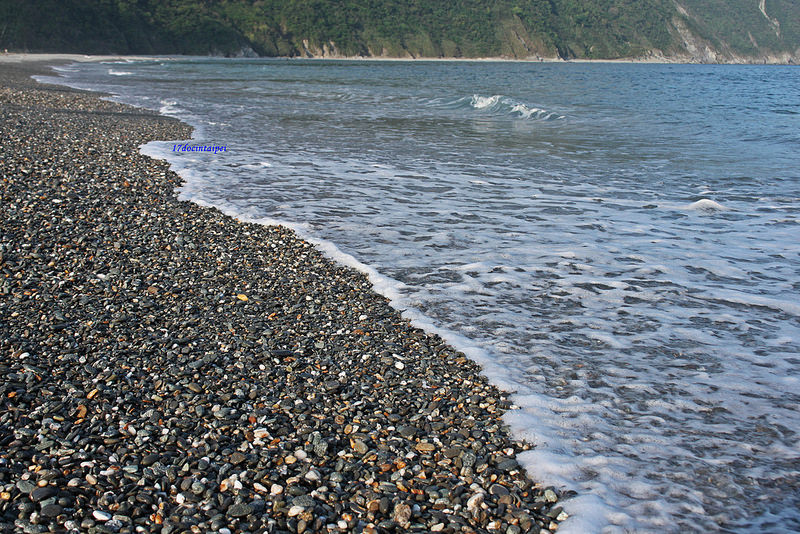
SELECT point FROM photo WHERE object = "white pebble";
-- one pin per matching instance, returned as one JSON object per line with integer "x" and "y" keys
{"x": 295, "y": 510}
{"x": 101, "y": 515}
{"x": 474, "y": 502}
{"x": 276, "y": 489}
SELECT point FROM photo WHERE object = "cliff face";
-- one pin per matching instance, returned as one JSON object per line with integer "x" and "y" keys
{"x": 740, "y": 31}
{"x": 736, "y": 31}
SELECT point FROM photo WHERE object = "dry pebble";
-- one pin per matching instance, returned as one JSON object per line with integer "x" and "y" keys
{"x": 169, "y": 369}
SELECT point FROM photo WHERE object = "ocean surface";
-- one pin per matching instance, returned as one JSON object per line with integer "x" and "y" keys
{"x": 618, "y": 244}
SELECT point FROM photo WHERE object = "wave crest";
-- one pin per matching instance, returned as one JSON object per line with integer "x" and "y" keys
{"x": 706, "y": 205}
{"x": 503, "y": 105}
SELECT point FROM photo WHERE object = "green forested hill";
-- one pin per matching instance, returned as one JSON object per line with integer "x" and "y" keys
{"x": 700, "y": 30}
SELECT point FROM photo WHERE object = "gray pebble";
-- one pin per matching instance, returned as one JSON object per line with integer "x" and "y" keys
{"x": 171, "y": 359}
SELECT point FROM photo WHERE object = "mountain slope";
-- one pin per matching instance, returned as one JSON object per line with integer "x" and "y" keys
{"x": 689, "y": 30}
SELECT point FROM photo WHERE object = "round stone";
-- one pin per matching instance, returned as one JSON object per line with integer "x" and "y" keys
{"x": 26, "y": 486}
{"x": 51, "y": 510}
{"x": 101, "y": 515}
{"x": 40, "y": 494}
{"x": 240, "y": 510}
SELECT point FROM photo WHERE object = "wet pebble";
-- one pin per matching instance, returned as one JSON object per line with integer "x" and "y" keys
{"x": 169, "y": 369}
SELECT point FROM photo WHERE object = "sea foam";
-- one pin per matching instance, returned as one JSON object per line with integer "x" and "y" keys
{"x": 651, "y": 352}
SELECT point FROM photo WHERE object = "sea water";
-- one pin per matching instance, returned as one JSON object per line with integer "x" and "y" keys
{"x": 618, "y": 244}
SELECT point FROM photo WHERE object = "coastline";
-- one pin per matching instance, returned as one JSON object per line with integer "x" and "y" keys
{"x": 210, "y": 373}
{"x": 16, "y": 57}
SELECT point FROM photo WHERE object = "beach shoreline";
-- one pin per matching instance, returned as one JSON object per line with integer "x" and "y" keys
{"x": 19, "y": 57}
{"x": 172, "y": 369}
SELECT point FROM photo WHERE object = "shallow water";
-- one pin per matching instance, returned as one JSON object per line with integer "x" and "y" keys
{"x": 619, "y": 244}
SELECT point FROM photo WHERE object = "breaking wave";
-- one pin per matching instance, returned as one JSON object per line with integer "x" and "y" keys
{"x": 503, "y": 105}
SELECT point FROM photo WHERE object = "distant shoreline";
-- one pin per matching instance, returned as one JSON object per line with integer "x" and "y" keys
{"x": 22, "y": 57}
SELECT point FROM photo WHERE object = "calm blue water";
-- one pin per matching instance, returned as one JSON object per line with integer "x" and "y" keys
{"x": 619, "y": 244}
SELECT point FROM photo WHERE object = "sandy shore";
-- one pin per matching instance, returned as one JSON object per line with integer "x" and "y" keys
{"x": 651, "y": 59}
{"x": 166, "y": 368}
{"x": 50, "y": 59}
{"x": 53, "y": 58}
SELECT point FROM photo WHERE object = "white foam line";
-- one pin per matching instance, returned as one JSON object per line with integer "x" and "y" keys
{"x": 392, "y": 290}
{"x": 388, "y": 287}
{"x": 586, "y": 511}
{"x": 589, "y": 515}
{"x": 739, "y": 297}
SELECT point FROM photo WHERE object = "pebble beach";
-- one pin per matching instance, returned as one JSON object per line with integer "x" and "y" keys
{"x": 166, "y": 368}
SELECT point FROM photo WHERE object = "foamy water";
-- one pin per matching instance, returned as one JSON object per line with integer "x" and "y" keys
{"x": 618, "y": 244}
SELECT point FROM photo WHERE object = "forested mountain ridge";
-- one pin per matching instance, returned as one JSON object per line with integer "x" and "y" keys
{"x": 687, "y": 30}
